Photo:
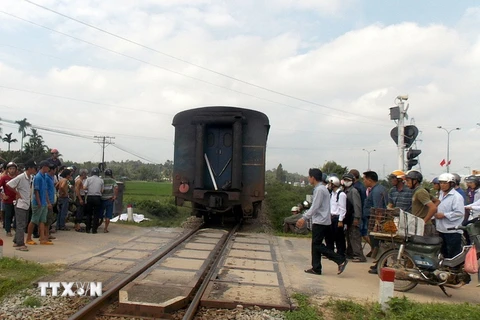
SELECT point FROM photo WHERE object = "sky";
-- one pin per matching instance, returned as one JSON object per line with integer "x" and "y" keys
{"x": 325, "y": 72}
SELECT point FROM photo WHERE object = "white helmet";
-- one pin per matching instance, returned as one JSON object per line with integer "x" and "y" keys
{"x": 447, "y": 177}
{"x": 334, "y": 180}
{"x": 294, "y": 209}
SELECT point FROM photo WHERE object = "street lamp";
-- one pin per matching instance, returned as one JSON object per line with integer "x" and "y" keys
{"x": 448, "y": 144}
{"x": 368, "y": 151}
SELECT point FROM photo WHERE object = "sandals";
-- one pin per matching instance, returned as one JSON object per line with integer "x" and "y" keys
{"x": 105, "y": 231}
{"x": 24, "y": 248}
{"x": 31, "y": 242}
{"x": 341, "y": 267}
{"x": 311, "y": 271}
{"x": 46, "y": 242}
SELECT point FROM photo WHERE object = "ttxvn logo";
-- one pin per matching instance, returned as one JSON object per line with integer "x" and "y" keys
{"x": 71, "y": 289}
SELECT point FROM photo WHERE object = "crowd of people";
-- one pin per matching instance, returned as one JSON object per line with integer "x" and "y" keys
{"x": 341, "y": 208}
{"x": 37, "y": 198}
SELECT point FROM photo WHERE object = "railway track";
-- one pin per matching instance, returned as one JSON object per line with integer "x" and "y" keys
{"x": 90, "y": 310}
{"x": 204, "y": 267}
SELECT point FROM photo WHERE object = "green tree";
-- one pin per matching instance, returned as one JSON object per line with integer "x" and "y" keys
{"x": 35, "y": 145}
{"x": 280, "y": 174}
{"x": 331, "y": 167}
{"x": 22, "y": 126}
{"x": 8, "y": 139}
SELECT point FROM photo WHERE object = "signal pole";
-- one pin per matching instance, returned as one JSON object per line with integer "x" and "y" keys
{"x": 401, "y": 132}
{"x": 103, "y": 142}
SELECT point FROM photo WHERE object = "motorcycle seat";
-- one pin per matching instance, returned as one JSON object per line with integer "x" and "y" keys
{"x": 425, "y": 240}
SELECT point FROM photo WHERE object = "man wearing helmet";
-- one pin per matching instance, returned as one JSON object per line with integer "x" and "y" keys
{"x": 319, "y": 212}
{"x": 109, "y": 195}
{"x": 422, "y": 203}
{"x": 457, "y": 188}
{"x": 399, "y": 196}
{"x": 450, "y": 214}
{"x": 354, "y": 218}
{"x": 54, "y": 158}
{"x": 338, "y": 211}
{"x": 436, "y": 186}
{"x": 289, "y": 222}
{"x": 8, "y": 196}
{"x": 473, "y": 183}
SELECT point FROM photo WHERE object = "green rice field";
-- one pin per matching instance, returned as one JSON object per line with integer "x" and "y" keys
{"x": 143, "y": 190}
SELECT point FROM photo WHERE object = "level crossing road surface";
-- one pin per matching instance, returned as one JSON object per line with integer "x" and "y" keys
{"x": 73, "y": 248}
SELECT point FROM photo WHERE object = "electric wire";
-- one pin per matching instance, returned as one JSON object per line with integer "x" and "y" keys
{"x": 193, "y": 64}
{"x": 82, "y": 100}
{"x": 182, "y": 74}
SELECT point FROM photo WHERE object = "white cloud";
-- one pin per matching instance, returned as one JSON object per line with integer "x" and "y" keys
{"x": 360, "y": 72}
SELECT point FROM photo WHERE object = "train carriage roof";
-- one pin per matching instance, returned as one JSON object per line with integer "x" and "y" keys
{"x": 218, "y": 112}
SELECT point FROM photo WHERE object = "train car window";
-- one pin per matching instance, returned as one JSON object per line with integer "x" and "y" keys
{"x": 210, "y": 139}
{"x": 227, "y": 140}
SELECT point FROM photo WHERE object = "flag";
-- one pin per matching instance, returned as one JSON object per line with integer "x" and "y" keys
{"x": 449, "y": 161}
{"x": 442, "y": 163}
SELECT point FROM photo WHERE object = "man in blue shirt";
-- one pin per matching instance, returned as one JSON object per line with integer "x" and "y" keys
{"x": 39, "y": 205}
{"x": 319, "y": 212}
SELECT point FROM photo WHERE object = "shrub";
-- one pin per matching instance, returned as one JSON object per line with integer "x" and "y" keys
{"x": 280, "y": 198}
{"x": 158, "y": 209}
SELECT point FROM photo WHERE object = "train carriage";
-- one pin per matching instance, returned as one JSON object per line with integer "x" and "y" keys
{"x": 219, "y": 160}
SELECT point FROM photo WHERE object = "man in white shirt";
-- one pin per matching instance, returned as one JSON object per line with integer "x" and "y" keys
{"x": 449, "y": 214}
{"x": 319, "y": 212}
{"x": 22, "y": 185}
{"x": 338, "y": 210}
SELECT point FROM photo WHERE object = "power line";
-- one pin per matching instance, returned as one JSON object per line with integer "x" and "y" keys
{"x": 191, "y": 63}
{"x": 191, "y": 77}
{"x": 133, "y": 153}
{"x": 82, "y": 100}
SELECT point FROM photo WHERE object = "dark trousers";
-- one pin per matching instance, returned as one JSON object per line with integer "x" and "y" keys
{"x": 93, "y": 210}
{"x": 336, "y": 238}
{"x": 354, "y": 243}
{"x": 80, "y": 210}
{"x": 9, "y": 217}
{"x": 319, "y": 232}
{"x": 451, "y": 245}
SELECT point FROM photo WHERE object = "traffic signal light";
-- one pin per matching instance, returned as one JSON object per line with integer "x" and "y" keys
{"x": 411, "y": 155}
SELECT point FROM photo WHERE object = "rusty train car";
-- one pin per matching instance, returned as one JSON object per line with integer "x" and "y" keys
{"x": 219, "y": 160}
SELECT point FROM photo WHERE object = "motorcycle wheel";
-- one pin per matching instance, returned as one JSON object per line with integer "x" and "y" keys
{"x": 389, "y": 260}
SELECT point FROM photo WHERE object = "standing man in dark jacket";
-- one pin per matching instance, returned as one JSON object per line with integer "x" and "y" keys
{"x": 319, "y": 212}
{"x": 354, "y": 204}
{"x": 377, "y": 198}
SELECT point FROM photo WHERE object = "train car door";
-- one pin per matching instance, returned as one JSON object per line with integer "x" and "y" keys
{"x": 219, "y": 150}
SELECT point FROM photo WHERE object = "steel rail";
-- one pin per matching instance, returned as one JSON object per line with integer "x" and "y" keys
{"x": 90, "y": 310}
{"x": 192, "y": 308}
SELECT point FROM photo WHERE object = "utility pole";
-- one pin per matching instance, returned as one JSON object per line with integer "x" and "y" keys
{"x": 103, "y": 141}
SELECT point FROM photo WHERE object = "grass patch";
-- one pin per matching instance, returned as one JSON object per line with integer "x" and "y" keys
{"x": 32, "y": 302}
{"x": 17, "y": 274}
{"x": 401, "y": 309}
{"x": 304, "y": 311}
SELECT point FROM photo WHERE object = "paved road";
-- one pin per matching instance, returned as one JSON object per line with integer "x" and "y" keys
{"x": 355, "y": 282}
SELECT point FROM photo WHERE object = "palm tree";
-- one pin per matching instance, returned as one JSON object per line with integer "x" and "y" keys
{"x": 22, "y": 126}
{"x": 35, "y": 144}
{"x": 8, "y": 139}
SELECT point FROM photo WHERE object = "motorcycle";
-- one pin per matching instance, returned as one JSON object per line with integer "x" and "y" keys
{"x": 417, "y": 260}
